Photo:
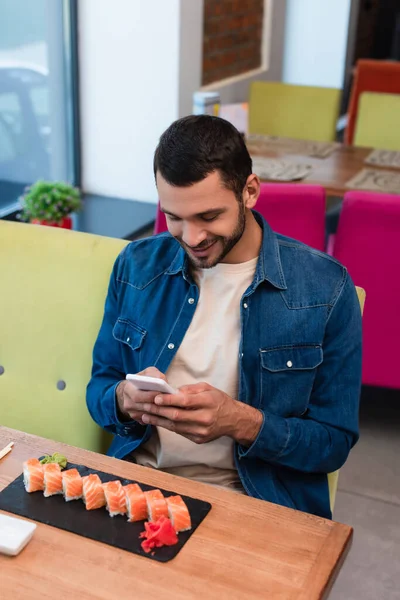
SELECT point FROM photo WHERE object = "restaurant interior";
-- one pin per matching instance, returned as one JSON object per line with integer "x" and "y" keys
{"x": 86, "y": 89}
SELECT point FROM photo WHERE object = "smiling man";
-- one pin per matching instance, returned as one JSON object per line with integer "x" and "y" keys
{"x": 260, "y": 335}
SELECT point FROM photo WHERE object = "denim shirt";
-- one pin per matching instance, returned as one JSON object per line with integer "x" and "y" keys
{"x": 299, "y": 358}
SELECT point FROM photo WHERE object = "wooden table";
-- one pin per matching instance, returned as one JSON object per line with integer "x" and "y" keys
{"x": 332, "y": 172}
{"x": 245, "y": 548}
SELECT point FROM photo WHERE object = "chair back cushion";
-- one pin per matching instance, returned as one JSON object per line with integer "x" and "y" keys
{"x": 297, "y": 211}
{"x": 368, "y": 244}
{"x": 378, "y": 121}
{"x": 53, "y": 287}
{"x": 370, "y": 76}
{"x": 293, "y": 111}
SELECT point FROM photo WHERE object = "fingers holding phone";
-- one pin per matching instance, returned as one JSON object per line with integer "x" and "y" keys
{"x": 140, "y": 389}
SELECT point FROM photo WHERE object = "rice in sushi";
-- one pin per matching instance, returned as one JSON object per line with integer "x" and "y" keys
{"x": 92, "y": 492}
{"x": 178, "y": 513}
{"x": 33, "y": 475}
{"x": 71, "y": 484}
{"x": 136, "y": 503}
{"x": 156, "y": 505}
{"x": 115, "y": 498}
{"x": 52, "y": 479}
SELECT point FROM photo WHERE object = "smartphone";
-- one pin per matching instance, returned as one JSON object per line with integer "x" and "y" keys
{"x": 151, "y": 384}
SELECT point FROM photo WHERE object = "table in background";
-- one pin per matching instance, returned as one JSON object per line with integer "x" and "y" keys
{"x": 332, "y": 172}
{"x": 244, "y": 549}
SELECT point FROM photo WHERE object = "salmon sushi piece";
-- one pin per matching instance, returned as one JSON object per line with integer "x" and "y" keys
{"x": 92, "y": 492}
{"x": 115, "y": 498}
{"x": 156, "y": 505}
{"x": 52, "y": 479}
{"x": 33, "y": 475}
{"x": 178, "y": 513}
{"x": 136, "y": 503}
{"x": 71, "y": 484}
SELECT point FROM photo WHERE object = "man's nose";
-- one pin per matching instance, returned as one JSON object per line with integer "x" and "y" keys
{"x": 193, "y": 235}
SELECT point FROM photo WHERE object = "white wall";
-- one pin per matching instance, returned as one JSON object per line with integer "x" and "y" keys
{"x": 315, "y": 42}
{"x": 140, "y": 62}
{"x": 129, "y": 92}
{"x": 190, "y": 53}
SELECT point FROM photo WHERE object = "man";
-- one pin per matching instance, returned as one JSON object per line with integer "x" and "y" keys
{"x": 260, "y": 333}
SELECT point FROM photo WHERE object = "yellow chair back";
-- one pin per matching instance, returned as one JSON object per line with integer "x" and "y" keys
{"x": 53, "y": 287}
{"x": 378, "y": 121}
{"x": 294, "y": 111}
{"x": 333, "y": 478}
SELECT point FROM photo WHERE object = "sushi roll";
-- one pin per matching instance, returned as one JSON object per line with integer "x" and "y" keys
{"x": 156, "y": 505}
{"x": 136, "y": 504}
{"x": 92, "y": 492}
{"x": 71, "y": 484}
{"x": 33, "y": 475}
{"x": 178, "y": 513}
{"x": 115, "y": 498}
{"x": 52, "y": 479}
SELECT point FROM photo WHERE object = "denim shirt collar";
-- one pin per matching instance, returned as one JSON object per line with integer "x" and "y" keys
{"x": 269, "y": 266}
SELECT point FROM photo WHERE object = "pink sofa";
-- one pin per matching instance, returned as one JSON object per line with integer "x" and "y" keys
{"x": 367, "y": 242}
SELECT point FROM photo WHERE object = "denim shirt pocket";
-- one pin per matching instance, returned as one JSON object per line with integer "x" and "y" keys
{"x": 131, "y": 337}
{"x": 287, "y": 378}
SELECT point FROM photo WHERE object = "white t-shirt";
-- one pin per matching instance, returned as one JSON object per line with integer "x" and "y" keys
{"x": 209, "y": 352}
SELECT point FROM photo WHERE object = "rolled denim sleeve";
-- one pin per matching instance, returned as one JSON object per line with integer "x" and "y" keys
{"x": 108, "y": 371}
{"x": 320, "y": 440}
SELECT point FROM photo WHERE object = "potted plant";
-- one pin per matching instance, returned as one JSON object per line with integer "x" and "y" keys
{"x": 50, "y": 203}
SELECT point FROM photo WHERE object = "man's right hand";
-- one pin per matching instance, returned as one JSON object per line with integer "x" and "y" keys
{"x": 128, "y": 396}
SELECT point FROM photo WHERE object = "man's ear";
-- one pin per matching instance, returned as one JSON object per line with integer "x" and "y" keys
{"x": 251, "y": 191}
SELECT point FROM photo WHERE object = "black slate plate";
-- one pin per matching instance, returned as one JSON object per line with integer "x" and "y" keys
{"x": 96, "y": 524}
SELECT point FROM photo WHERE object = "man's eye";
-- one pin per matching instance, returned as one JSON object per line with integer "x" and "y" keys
{"x": 171, "y": 218}
{"x": 208, "y": 219}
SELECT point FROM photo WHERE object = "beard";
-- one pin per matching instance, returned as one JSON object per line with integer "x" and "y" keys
{"x": 226, "y": 243}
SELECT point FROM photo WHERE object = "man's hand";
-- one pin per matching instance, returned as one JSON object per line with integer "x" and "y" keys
{"x": 202, "y": 413}
{"x": 128, "y": 397}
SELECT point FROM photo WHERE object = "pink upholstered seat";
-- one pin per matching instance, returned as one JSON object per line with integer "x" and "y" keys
{"x": 368, "y": 243}
{"x": 297, "y": 211}
{"x": 161, "y": 222}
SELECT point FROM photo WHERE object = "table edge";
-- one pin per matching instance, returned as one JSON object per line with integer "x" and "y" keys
{"x": 337, "y": 545}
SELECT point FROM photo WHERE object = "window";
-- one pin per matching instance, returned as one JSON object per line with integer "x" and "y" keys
{"x": 37, "y": 128}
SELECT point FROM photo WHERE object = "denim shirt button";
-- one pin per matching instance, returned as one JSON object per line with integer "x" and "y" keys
{"x": 245, "y": 305}
{"x": 191, "y": 300}
{"x": 289, "y": 363}
{"x": 171, "y": 346}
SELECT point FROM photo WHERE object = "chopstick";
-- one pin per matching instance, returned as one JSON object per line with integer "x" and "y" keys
{"x": 6, "y": 450}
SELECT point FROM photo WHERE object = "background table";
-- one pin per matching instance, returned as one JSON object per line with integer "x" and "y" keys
{"x": 129, "y": 219}
{"x": 332, "y": 172}
{"x": 245, "y": 548}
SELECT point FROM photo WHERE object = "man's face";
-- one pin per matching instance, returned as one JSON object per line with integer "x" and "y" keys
{"x": 205, "y": 218}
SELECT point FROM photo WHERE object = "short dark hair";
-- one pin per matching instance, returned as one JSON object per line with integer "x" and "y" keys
{"x": 196, "y": 146}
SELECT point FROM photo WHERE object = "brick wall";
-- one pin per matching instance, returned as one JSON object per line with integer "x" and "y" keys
{"x": 232, "y": 40}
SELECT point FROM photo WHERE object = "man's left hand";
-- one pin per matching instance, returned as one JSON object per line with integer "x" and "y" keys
{"x": 203, "y": 413}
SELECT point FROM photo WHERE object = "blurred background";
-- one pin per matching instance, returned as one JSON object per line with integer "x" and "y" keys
{"x": 87, "y": 87}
